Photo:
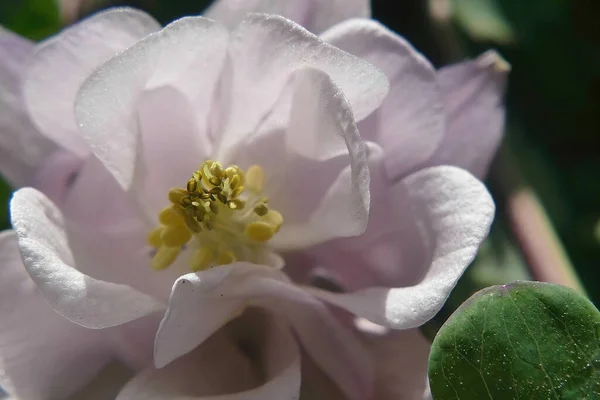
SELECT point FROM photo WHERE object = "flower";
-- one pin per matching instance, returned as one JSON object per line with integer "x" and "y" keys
{"x": 113, "y": 283}
{"x": 125, "y": 107}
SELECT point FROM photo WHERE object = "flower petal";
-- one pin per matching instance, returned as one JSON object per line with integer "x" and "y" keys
{"x": 321, "y": 150}
{"x": 314, "y": 15}
{"x": 409, "y": 125}
{"x": 400, "y": 360}
{"x": 226, "y": 366}
{"x": 61, "y": 64}
{"x": 42, "y": 354}
{"x": 195, "y": 298}
{"x": 474, "y": 101}
{"x": 22, "y": 148}
{"x": 387, "y": 253}
{"x": 48, "y": 259}
{"x": 56, "y": 175}
{"x": 186, "y": 55}
{"x": 453, "y": 211}
{"x": 106, "y": 384}
{"x": 264, "y": 52}
{"x": 176, "y": 135}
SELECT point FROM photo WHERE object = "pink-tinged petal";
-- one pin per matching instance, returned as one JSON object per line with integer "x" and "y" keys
{"x": 96, "y": 199}
{"x": 61, "y": 64}
{"x": 57, "y": 174}
{"x": 230, "y": 365}
{"x": 409, "y": 125}
{"x": 473, "y": 94}
{"x": 175, "y": 134}
{"x": 186, "y": 55}
{"x": 42, "y": 354}
{"x": 193, "y": 316}
{"x": 320, "y": 149}
{"x": 316, "y": 384}
{"x": 453, "y": 211}
{"x": 314, "y": 15}
{"x": 400, "y": 360}
{"x": 215, "y": 368}
{"x": 264, "y": 52}
{"x": 106, "y": 384}
{"x": 391, "y": 252}
{"x": 22, "y": 148}
{"x": 133, "y": 343}
{"x": 48, "y": 258}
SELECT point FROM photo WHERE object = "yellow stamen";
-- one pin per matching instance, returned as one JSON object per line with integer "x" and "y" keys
{"x": 274, "y": 218}
{"x": 255, "y": 179}
{"x": 176, "y": 195}
{"x": 201, "y": 259}
{"x": 172, "y": 215}
{"x": 226, "y": 257}
{"x": 261, "y": 209}
{"x": 224, "y": 210}
{"x": 175, "y": 235}
{"x": 260, "y": 231}
{"x": 154, "y": 237}
{"x": 164, "y": 257}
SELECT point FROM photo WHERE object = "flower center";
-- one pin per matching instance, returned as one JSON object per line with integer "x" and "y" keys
{"x": 223, "y": 212}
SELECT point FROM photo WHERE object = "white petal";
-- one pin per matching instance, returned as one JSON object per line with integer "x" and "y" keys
{"x": 265, "y": 51}
{"x": 22, "y": 148}
{"x": 322, "y": 151}
{"x": 400, "y": 359}
{"x": 56, "y": 175}
{"x": 175, "y": 135}
{"x": 221, "y": 369}
{"x": 453, "y": 212}
{"x": 474, "y": 102}
{"x": 409, "y": 125}
{"x": 239, "y": 285}
{"x": 48, "y": 258}
{"x": 42, "y": 354}
{"x": 314, "y": 15}
{"x": 106, "y": 384}
{"x": 61, "y": 64}
{"x": 187, "y": 55}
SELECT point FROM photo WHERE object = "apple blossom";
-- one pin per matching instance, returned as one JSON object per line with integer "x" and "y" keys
{"x": 255, "y": 128}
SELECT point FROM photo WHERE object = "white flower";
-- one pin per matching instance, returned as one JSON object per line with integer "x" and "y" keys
{"x": 270, "y": 108}
{"x": 269, "y": 93}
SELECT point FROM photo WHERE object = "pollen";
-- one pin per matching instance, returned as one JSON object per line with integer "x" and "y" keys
{"x": 221, "y": 213}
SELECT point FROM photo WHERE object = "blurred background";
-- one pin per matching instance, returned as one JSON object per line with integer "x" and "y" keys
{"x": 546, "y": 176}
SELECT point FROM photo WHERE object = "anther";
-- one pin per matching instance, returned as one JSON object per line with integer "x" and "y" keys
{"x": 234, "y": 182}
{"x": 153, "y": 238}
{"x": 255, "y": 179}
{"x": 175, "y": 236}
{"x": 191, "y": 185}
{"x": 235, "y": 204}
{"x": 216, "y": 169}
{"x": 192, "y": 224}
{"x": 274, "y": 218}
{"x": 172, "y": 215}
{"x": 237, "y": 192}
{"x": 226, "y": 257}
{"x": 259, "y": 231}
{"x": 201, "y": 259}
{"x": 164, "y": 257}
{"x": 261, "y": 209}
{"x": 176, "y": 195}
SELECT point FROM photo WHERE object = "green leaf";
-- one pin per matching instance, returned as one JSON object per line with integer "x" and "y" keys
{"x": 525, "y": 340}
{"x": 34, "y": 19}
